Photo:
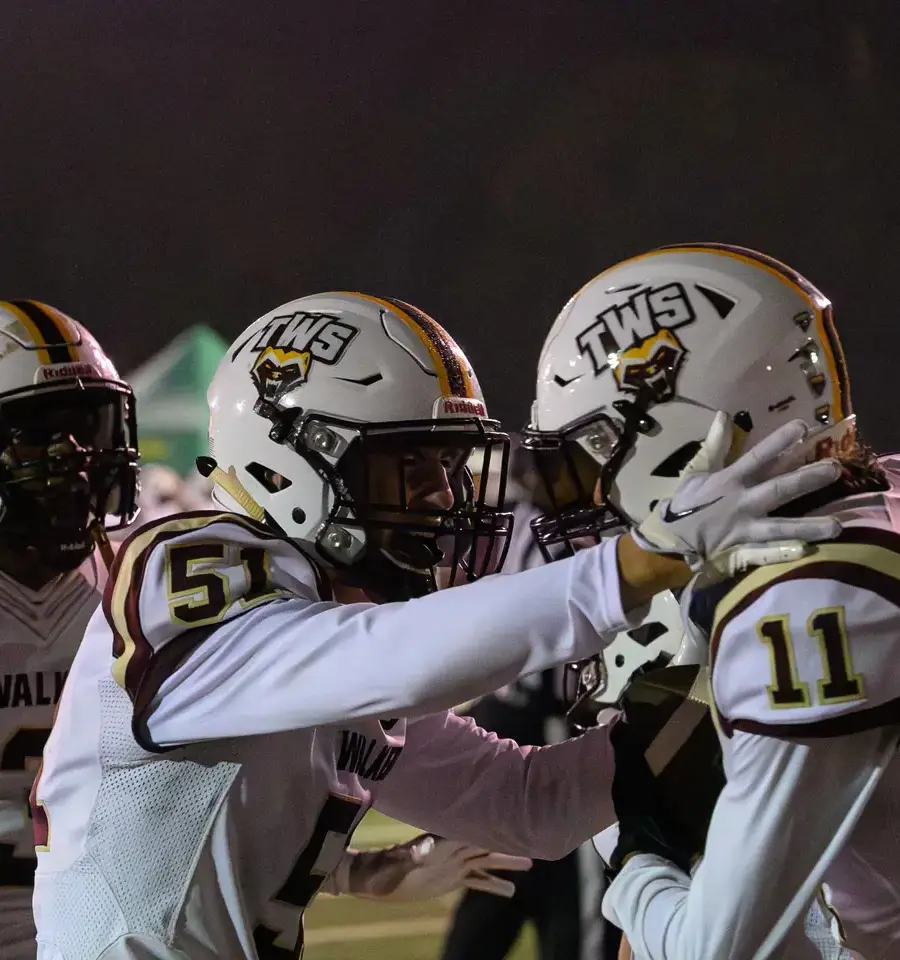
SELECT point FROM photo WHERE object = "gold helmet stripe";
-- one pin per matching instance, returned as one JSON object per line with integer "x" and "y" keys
{"x": 50, "y": 330}
{"x": 449, "y": 363}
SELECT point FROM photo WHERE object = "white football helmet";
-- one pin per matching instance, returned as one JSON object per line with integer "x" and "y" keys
{"x": 595, "y": 683}
{"x": 641, "y": 358}
{"x": 68, "y": 437}
{"x": 304, "y": 398}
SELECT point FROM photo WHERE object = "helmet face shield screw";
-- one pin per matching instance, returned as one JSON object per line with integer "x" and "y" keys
{"x": 322, "y": 440}
{"x": 338, "y": 540}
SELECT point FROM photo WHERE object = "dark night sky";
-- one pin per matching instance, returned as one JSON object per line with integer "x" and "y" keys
{"x": 169, "y": 163}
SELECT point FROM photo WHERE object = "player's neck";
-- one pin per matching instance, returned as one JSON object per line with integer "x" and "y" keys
{"x": 25, "y": 568}
{"x": 344, "y": 593}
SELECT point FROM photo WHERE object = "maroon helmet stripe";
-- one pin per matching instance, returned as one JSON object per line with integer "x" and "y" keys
{"x": 442, "y": 344}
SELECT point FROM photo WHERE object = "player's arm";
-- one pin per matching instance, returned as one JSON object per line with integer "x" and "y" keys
{"x": 222, "y": 632}
{"x": 803, "y": 677}
{"x": 781, "y": 808}
{"x": 422, "y": 868}
{"x": 459, "y": 781}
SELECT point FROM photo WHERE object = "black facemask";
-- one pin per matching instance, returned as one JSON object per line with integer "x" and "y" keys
{"x": 406, "y": 544}
{"x": 68, "y": 460}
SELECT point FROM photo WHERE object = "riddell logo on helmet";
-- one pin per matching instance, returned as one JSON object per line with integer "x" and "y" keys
{"x": 65, "y": 371}
{"x": 839, "y": 446}
{"x": 458, "y": 407}
{"x": 635, "y": 339}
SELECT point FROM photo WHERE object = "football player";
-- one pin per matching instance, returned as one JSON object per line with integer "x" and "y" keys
{"x": 68, "y": 477}
{"x": 801, "y": 653}
{"x": 68, "y": 467}
{"x": 259, "y": 676}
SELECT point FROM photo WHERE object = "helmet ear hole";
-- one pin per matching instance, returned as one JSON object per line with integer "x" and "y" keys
{"x": 272, "y": 481}
{"x": 648, "y": 632}
{"x": 743, "y": 420}
{"x": 677, "y": 461}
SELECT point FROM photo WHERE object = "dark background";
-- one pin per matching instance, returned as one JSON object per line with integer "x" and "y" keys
{"x": 168, "y": 163}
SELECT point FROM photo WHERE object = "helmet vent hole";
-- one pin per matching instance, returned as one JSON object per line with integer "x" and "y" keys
{"x": 272, "y": 481}
{"x": 743, "y": 420}
{"x": 620, "y": 660}
{"x": 677, "y": 461}
{"x": 720, "y": 302}
{"x": 646, "y": 633}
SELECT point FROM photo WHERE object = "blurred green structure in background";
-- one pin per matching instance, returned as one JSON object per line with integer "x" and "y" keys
{"x": 171, "y": 396}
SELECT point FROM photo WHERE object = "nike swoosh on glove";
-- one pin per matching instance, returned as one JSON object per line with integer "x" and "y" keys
{"x": 425, "y": 867}
{"x": 719, "y": 515}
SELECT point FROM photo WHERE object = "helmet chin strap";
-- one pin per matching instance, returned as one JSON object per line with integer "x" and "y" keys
{"x": 428, "y": 557}
{"x": 104, "y": 547}
{"x": 231, "y": 484}
{"x": 381, "y": 575}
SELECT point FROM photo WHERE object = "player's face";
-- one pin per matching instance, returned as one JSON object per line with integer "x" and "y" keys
{"x": 50, "y": 462}
{"x": 419, "y": 479}
{"x": 406, "y": 484}
{"x": 413, "y": 493}
{"x": 62, "y": 499}
{"x": 569, "y": 476}
{"x": 56, "y": 468}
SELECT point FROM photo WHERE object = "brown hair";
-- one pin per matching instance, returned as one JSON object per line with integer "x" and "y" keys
{"x": 862, "y": 474}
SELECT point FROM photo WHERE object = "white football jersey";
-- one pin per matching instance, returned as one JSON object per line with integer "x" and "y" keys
{"x": 40, "y": 630}
{"x": 805, "y": 664}
{"x": 226, "y": 725}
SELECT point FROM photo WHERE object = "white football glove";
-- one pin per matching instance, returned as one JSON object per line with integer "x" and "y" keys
{"x": 719, "y": 515}
{"x": 423, "y": 868}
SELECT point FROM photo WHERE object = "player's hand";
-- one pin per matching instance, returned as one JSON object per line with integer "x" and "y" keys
{"x": 720, "y": 515}
{"x": 427, "y": 867}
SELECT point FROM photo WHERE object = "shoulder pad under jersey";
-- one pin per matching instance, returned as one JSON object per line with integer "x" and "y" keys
{"x": 175, "y": 580}
{"x": 811, "y": 647}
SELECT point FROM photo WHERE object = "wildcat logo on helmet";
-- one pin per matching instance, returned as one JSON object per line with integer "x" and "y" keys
{"x": 288, "y": 345}
{"x": 635, "y": 339}
{"x": 276, "y": 371}
{"x": 653, "y": 366}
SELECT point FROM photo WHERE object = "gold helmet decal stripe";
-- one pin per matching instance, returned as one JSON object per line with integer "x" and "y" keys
{"x": 50, "y": 331}
{"x": 453, "y": 375}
